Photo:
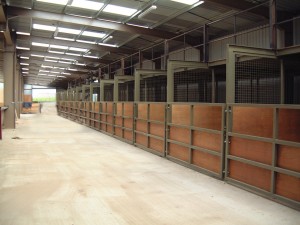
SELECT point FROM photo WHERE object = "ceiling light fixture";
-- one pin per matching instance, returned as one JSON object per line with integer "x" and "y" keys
{"x": 40, "y": 44}
{"x": 108, "y": 45}
{"x": 189, "y": 2}
{"x": 137, "y": 25}
{"x": 80, "y": 64}
{"x": 87, "y": 42}
{"x": 147, "y": 11}
{"x": 24, "y": 57}
{"x": 84, "y": 4}
{"x": 93, "y": 34}
{"x": 119, "y": 10}
{"x": 73, "y": 54}
{"x": 25, "y": 68}
{"x": 68, "y": 30}
{"x": 78, "y": 49}
{"x": 91, "y": 56}
{"x": 64, "y": 39}
{"x": 22, "y": 33}
{"x": 57, "y": 52}
{"x": 65, "y": 62}
{"x": 22, "y": 48}
{"x": 43, "y": 27}
{"x": 59, "y": 47}
{"x": 39, "y": 56}
{"x": 24, "y": 64}
{"x": 58, "y": 2}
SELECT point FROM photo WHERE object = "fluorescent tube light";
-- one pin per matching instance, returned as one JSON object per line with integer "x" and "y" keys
{"x": 40, "y": 44}
{"x": 25, "y": 72}
{"x": 68, "y": 30}
{"x": 44, "y": 71}
{"x": 24, "y": 57}
{"x": 93, "y": 34}
{"x": 25, "y": 69}
{"x": 44, "y": 66}
{"x": 54, "y": 72}
{"x": 78, "y": 49}
{"x": 74, "y": 54}
{"x": 24, "y": 64}
{"x": 57, "y": 52}
{"x": 51, "y": 57}
{"x": 65, "y": 62}
{"x": 42, "y": 74}
{"x": 67, "y": 59}
{"x": 136, "y": 25}
{"x": 22, "y": 48}
{"x": 72, "y": 69}
{"x": 87, "y": 42}
{"x": 22, "y": 33}
{"x": 64, "y": 39}
{"x": 65, "y": 73}
{"x": 91, "y": 56}
{"x": 60, "y": 68}
{"x": 61, "y": 76}
{"x": 39, "y": 56}
{"x": 147, "y": 11}
{"x": 109, "y": 45}
{"x": 119, "y": 10}
{"x": 50, "y": 60}
{"x": 188, "y": 2}
{"x": 84, "y": 4}
{"x": 43, "y": 27}
{"x": 50, "y": 75}
{"x": 80, "y": 64}
{"x": 59, "y": 46}
{"x": 58, "y": 2}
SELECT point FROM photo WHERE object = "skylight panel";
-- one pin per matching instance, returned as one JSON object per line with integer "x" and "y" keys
{"x": 188, "y": 2}
{"x": 43, "y": 27}
{"x": 93, "y": 34}
{"x": 119, "y": 10}
{"x": 58, "y": 2}
{"x": 68, "y": 30}
{"x": 84, "y": 4}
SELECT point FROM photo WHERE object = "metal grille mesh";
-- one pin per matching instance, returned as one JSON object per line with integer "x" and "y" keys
{"x": 220, "y": 79}
{"x": 193, "y": 86}
{"x": 257, "y": 81}
{"x": 153, "y": 89}
{"x": 126, "y": 91}
{"x": 108, "y": 92}
{"x": 292, "y": 81}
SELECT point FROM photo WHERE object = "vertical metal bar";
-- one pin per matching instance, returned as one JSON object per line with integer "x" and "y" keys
{"x": 191, "y": 133}
{"x": 148, "y": 125}
{"x": 230, "y": 76}
{"x": 137, "y": 87}
{"x": 213, "y": 86}
{"x": 234, "y": 29}
{"x": 166, "y": 54}
{"x": 123, "y": 66}
{"x": 205, "y": 43}
{"x": 229, "y": 121}
{"x": 274, "y": 149}
{"x": 101, "y": 90}
{"x": 282, "y": 82}
{"x": 273, "y": 21}
{"x": 116, "y": 89}
{"x": 140, "y": 59}
{"x": 170, "y": 82}
{"x": 222, "y": 144}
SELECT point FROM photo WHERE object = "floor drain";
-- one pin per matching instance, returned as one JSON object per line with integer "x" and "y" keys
{"x": 15, "y": 138}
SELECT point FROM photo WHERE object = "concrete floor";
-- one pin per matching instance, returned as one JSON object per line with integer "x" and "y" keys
{"x": 63, "y": 173}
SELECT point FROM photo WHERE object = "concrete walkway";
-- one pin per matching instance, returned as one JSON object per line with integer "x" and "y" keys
{"x": 61, "y": 173}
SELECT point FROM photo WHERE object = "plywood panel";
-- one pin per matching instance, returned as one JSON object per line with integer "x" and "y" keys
{"x": 118, "y": 132}
{"x": 128, "y": 123}
{"x": 178, "y": 152}
{"x": 206, "y": 161}
{"x": 27, "y": 98}
{"x": 128, "y": 135}
{"x": 157, "y": 145}
{"x": 289, "y": 158}
{"x": 103, "y": 118}
{"x": 103, "y": 127}
{"x": 97, "y": 125}
{"x": 207, "y": 140}
{"x": 209, "y": 117}
{"x": 109, "y": 129}
{"x": 141, "y": 139}
{"x": 110, "y": 107}
{"x": 253, "y": 150}
{"x": 289, "y": 125}
{"x": 119, "y": 110}
{"x": 253, "y": 121}
{"x": 288, "y": 186}
{"x": 119, "y": 121}
{"x": 103, "y": 107}
{"x": 249, "y": 174}
{"x": 97, "y": 107}
{"x": 109, "y": 119}
{"x": 97, "y": 116}
{"x": 157, "y": 129}
{"x": 181, "y": 114}
{"x": 180, "y": 134}
{"x": 141, "y": 126}
{"x": 157, "y": 112}
{"x": 128, "y": 109}
{"x": 142, "y": 111}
